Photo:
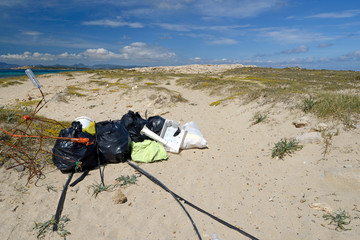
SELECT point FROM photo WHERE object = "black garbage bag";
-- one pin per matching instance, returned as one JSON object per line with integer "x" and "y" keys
{"x": 113, "y": 141}
{"x": 134, "y": 123}
{"x": 71, "y": 156}
{"x": 156, "y": 124}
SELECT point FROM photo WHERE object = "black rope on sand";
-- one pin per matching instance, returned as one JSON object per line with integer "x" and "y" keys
{"x": 177, "y": 197}
{"x": 61, "y": 202}
{"x": 168, "y": 190}
{"x": 80, "y": 178}
{"x": 99, "y": 161}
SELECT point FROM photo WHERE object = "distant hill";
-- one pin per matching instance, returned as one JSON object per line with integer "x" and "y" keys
{"x": 61, "y": 66}
{"x": 7, "y": 66}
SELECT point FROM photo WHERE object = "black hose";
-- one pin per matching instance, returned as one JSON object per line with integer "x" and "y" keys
{"x": 61, "y": 202}
{"x": 99, "y": 161}
{"x": 156, "y": 181}
{"x": 217, "y": 219}
{"x": 80, "y": 178}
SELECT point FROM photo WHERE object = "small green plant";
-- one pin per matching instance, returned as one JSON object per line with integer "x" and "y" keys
{"x": 258, "y": 118}
{"x": 327, "y": 136}
{"x": 348, "y": 122}
{"x": 285, "y": 147}
{"x": 339, "y": 219}
{"x": 98, "y": 188}
{"x": 126, "y": 180}
{"x": 51, "y": 187}
{"x": 308, "y": 104}
{"x": 10, "y": 116}
{"x": 43, "y": 227}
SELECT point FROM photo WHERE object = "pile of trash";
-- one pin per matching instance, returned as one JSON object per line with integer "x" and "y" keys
{"x": 114, "y": 141}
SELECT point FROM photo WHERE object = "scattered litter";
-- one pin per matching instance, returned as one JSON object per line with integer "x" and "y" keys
{"x": 193, "y": 137}
{"x": 173, "y": 135}
{"x": 85, "y": 121}
{"x": 113, "y": 141}
{"x": 321, "y": 207}
{"x": 69, "y": 156}
{"x": 147, "y": 151}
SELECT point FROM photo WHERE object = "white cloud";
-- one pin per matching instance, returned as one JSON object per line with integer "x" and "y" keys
{"x": 355, "y": 55}
{"x": 10, "y": 3}
{"x": 288, "y": 35}
{"x": 342, "y": 14}
{"x": 175, "y": 27}
{"x": 295, "y": 50}
{"x": 236, "y": 8}
{"x": 195, "y": 59}
{"x": 31, "y": 33}
{"x": 188, "y": 28}
{"x": 170, "y": 4}
{"x": 67, "y": 55}
{"x": 223, "y": 41}
{"x": 99, "y": 53}
{"x": 134, "y": 51}
{"x": 113, "y": 23}
{"x": 140, "y": 50}
{"x": 28, "y": 56}
{"x": 325, "y": 45}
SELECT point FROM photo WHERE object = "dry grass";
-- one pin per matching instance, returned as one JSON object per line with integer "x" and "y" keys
{"x": 5, "y": 82}
{"x": 336, "y": 93}
{"x": 33, "y": 152}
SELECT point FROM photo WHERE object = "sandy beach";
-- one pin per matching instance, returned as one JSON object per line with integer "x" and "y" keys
{"x": 235, "y": 178}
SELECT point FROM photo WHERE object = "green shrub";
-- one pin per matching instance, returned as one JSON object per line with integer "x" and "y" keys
{"x": 45, "y": 226}
{"x": 285, "y": 147}
{"x": 98, "y": 188}
{"x": 258, "y": 118}
{"x": 126, "y": 180}
{"x": 339, "y": 219}
{"x": 308, "y": 104}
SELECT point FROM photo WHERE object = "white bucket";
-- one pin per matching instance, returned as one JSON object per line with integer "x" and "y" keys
{"x": 85, "y": 121}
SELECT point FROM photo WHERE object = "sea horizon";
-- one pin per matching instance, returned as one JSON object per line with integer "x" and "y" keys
{"x": 5, "y": 73}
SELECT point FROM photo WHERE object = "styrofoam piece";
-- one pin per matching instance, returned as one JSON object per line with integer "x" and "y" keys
{"x": 171, "y": 143}
{"x": 152, "y": 135}
{"x": 168, "y": 131}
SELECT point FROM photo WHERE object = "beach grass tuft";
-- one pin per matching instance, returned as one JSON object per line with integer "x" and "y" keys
{"x": 285, "y": 147}
{"x": 44, "y": 227}
{"x": 98, "y": 188}
{"x": 339, "y": 219}
{"x": 258, "y": 118}
{"x": 126, "y": 180}
{"x": 308, "y": 104}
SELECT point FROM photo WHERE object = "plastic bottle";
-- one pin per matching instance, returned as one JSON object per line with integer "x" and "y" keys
{"x": 32, "y": 77}
{"x": 214, "y": 236}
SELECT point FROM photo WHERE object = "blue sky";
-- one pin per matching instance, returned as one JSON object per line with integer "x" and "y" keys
{"x": 269, "y": 33}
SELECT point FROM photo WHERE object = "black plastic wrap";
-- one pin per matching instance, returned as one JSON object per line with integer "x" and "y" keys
{"x": 113, "y": 141}
{"x": 71, "y": 156}
{"x": 134, "y": 123}
{"x": 156, "y": 124}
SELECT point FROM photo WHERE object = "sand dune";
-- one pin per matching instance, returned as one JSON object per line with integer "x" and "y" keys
{"x": 235, "y": 179}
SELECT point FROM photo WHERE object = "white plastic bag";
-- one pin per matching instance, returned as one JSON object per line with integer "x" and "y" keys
{"x": 193, "y": 137}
